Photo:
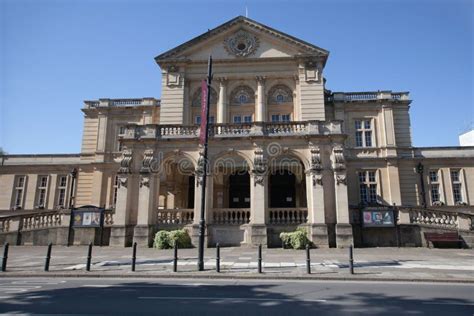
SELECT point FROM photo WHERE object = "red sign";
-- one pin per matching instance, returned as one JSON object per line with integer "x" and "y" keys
{"x": 204, "y": 110}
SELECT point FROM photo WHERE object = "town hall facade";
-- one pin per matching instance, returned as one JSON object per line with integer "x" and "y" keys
{"x": 284, "y": 152}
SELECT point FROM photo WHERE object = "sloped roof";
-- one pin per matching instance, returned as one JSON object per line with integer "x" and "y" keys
{"x": 310, "y": 48}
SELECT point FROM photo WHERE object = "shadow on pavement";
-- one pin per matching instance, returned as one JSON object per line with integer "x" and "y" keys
{"x": 201, "y": 299}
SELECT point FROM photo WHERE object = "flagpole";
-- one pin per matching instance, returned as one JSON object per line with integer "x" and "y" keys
{"x": 202, "y": 220}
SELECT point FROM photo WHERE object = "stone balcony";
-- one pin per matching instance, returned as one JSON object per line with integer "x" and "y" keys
{"x": 369, "y": 96}
{"x": 121, "y": 102}
{"x": 257, "y": 129}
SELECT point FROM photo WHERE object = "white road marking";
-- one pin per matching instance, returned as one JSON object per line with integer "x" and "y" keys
{"x": 26, "y": 282}
{"x": 448, "y": 303}
{"x": 224, "y": 298}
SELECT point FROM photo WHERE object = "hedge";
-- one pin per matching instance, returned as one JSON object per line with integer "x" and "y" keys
{"x": 296, "y": 240}
{"x": 166, "y": 239}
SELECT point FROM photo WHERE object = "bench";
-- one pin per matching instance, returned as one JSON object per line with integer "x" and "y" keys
{"x": 451, "y": 237}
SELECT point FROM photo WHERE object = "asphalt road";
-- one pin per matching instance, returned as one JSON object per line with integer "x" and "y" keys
{"x": 80, "y": 296}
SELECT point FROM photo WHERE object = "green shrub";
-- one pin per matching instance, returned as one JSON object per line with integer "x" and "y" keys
{"x": 296, "y": 240}
{"x": 166, "y": 239}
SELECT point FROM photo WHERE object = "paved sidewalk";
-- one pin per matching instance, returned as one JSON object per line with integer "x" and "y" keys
{"x": 417, "y": 264}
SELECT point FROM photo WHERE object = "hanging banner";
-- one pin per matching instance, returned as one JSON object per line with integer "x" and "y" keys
{"x": 204, "y": 110}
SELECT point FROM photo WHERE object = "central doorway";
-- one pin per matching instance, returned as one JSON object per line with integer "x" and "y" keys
{"x": 239, "y": 190}
{"x": 282, "y": 189}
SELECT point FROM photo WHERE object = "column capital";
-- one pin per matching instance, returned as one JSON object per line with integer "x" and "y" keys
{"x": 261, "y": 79}
{"x": 222, "y": 80}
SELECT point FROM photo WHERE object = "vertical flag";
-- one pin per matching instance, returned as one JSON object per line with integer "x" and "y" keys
{"x": 204, "y": 109}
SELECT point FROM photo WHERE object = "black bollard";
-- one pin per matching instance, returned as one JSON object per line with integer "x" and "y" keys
{"x": 5, "y": 257}
{"x": 218, "y": 258}
{"x": 175, "y": 259}
{"x": 308, "y": 260}
{"x": 260, "y": 258}
{"x": 89, "y": 257}
{"x": 48, "y": 257}
{"x": 351, "y": 260}
{"x": 134, "y": 256}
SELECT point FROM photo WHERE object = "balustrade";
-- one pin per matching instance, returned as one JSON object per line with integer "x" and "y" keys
{"x": 434, "y": 218}
{"x": 174, "y": 216}
{"x": 152, "y": 131}
{"x": 288, "y": 215}
{"x": 231, "y": 216}
{"x": 229, "y": 130}
{"x": 5, "y": 225}
{"x": 43, "y": 220}
{"x": 286, "y": 128}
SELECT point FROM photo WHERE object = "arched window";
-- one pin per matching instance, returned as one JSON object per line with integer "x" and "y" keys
{"x": 242, "y": 95}
{"x": 196, "y": 101}
{"x": 280, "y": 94}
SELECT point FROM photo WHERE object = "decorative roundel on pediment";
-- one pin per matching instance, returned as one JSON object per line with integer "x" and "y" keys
{"x": 241, "y": 44}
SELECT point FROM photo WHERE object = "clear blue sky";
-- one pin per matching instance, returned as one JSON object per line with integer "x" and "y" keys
{"x": 55, "y": 54}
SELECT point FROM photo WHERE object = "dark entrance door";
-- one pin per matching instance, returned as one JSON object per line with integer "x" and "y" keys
{"x": 239, "y": 190}
{"x": 191, "y": 185}
{"x": 282, "y": 189}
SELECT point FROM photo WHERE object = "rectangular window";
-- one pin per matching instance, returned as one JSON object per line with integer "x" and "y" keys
{"x": 456, "y": 185}
{"x": 275, "y": 118}
{"x": 434, "y": 193}
{"x": 433, "y": 176}
{"x": 359, "y": 142}
{"x": 120, "y": 133}
{"x": 368, "y": 186}
{"x": 18, "y": 192}
{"x": 61, "y": 191}
{"x": 285, "y": 118}
{"x": 248, "y": 118}
{"x": 197, "y": 119}
{"x": 363, "y": 133}
{"x": 41, "y": 191}
{"x": 457, "y": 193}
{"x": 237, "y": 119}
{"x": 455, "y": 175}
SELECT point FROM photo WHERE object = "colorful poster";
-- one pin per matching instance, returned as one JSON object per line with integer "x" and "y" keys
{"x": 378, "y": 218}
{"x": 87, "y": 217}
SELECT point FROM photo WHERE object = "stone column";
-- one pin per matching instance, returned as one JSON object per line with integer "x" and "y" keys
{"x": 257, "y": 230}
{"x": 122, "y": 231}
{"x": 197, "y": 204}
{"x": 149, "y": 185}
{"x": 260, "y": 111}
{"x": 315, "y": 200}
{"x": 344, "y": 237}
{"x": 222, "y": 104}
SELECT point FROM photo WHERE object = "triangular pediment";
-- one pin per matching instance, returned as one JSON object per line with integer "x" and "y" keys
{"x": 239, "y": 39}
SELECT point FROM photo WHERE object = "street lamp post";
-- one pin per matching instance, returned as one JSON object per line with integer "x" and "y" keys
{"x": 73, "y": 175}
{"x": 204, "y": 140}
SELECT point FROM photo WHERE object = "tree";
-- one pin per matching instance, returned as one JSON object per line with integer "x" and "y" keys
{"x": 2, "y": 152}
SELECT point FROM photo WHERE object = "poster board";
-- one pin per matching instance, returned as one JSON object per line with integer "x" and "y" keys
{"x": 378, "y": 218}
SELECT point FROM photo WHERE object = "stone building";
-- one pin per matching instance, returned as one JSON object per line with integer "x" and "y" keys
{"x": 285, "y": 152}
